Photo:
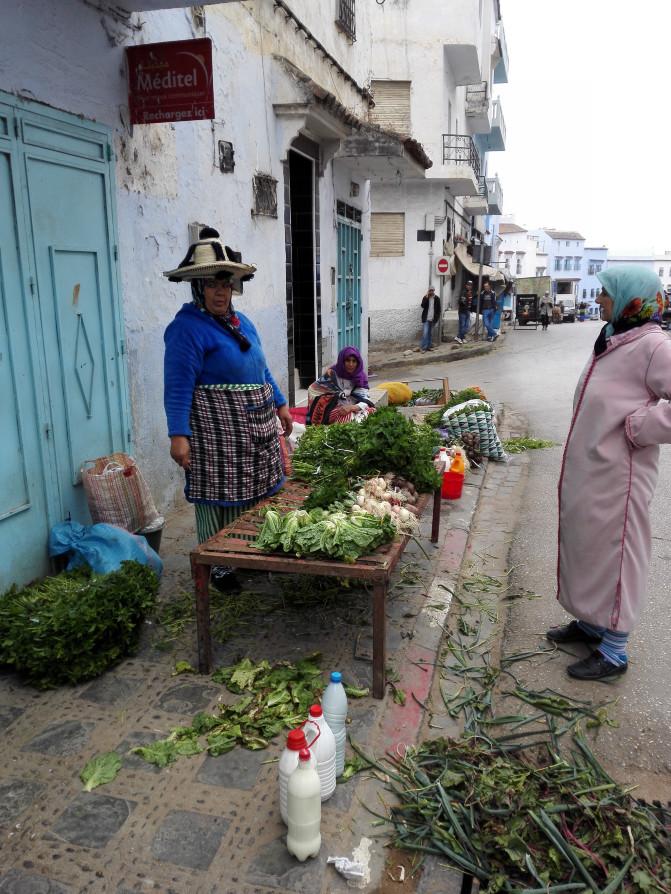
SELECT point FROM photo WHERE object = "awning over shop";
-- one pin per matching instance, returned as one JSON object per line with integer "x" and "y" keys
{"x": 473, "y": 267}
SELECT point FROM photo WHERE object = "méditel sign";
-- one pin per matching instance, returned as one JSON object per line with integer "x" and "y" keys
{"x": 170, "y": 81}
{"x": 443, "y": 266}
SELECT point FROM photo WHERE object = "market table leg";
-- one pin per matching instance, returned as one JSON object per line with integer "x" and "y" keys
{"x": 379, "y": 637}
{"x": 201, "y": 579}
{"x": 435, "y": 518}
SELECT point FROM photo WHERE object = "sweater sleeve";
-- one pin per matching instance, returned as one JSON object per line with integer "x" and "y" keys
{"x": 652, "y": 424}
{"x": 278, "y": 397}
{"x": 182, "y": 366}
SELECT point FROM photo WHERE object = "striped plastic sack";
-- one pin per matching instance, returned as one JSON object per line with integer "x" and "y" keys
{"x": 117, "y": 493}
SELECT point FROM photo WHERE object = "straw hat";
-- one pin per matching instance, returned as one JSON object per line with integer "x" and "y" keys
{"x": 209, "y": 257}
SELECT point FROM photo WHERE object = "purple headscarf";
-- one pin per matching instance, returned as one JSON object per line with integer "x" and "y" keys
{"x": 358, "y": 378}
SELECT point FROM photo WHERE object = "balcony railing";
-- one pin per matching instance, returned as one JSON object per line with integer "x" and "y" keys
{"x": 459, "y": 149}
{"x": 501, "y": 70}
{"x": 346, "y": 19}
{"x": 477, "y": 99}
{"x": 494, "y": 195}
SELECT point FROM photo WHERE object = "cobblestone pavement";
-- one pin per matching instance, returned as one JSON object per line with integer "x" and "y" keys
{"x": 208, "y": 824}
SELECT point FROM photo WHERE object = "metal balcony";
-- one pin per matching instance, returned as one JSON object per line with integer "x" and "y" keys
{"x": 494, "y": 195}
{"x": 495, "y": 140}
{"x": 460, "y": 170}
{"x": 477, "y": 204}
{"x": 501, "y": 69}
{"x": 477, "y": 107}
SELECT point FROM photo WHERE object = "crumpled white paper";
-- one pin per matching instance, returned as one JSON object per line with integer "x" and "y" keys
{"x": 347, "y": 868}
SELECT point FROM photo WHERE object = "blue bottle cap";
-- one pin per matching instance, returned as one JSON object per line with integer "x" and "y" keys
{"x": 336, "y": 677}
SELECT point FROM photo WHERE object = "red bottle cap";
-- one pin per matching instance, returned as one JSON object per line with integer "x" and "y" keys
{"x": 296, "y": 740}
{"x": 304, "y": 755}
{"x": 315, "y": 711}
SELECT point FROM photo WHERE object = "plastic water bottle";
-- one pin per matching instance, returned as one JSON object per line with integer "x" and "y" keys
{"x": 323, "y": 746}
{"x": 334, "y": 706}
{"x": 296, "y": 741}
{"x": 304, "y": 809}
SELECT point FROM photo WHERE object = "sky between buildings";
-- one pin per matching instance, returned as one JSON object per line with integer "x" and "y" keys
{"x": 588, "y": 118}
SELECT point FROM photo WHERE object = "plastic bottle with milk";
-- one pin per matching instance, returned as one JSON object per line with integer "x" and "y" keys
{"x": 323, "y": 746}
{"x": 334, "y": 706}
{"x": 304, "y": 809}
{"x": 296, "y": 741}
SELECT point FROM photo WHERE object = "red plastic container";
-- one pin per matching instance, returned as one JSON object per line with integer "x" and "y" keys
{"x": 453, "y": 483}
{"x": 298, "y": 414}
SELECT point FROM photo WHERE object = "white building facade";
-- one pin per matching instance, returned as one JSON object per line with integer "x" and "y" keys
{"x": 594, "y": 260}
{"x": 564, "y": 250}
{"x": 435, "y": 68}
{"x": 94, "y": 209}
{"x": 660, "y": 263}
{"x": 519, "y": 251}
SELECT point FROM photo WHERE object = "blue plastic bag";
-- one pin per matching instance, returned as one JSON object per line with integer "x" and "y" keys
{"x": 103, "y": 547}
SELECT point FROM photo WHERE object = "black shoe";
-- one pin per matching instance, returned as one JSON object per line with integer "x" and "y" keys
{"x": 596, "y": 667}
{"x": 224, "y": 579}
{"x": 571, "y": 633}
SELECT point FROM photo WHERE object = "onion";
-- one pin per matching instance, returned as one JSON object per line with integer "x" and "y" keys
{"x": 404, "y": 515}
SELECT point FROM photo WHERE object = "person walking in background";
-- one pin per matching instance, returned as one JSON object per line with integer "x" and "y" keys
{"x": 609, "y": 471}
{"x": 464, "y": 309}
{"x": 430, "y": 316}
{"x": 221, "y": 401}
{"x": 545, "y": 310}
{"x": 488, "y": 309}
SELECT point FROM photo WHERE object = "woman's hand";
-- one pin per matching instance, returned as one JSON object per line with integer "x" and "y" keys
{"x": 284, "y": 416}
{"x": 180, "y": 451}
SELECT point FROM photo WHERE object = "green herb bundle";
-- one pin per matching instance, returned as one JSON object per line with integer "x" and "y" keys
{"x": 73, "y": 626}
{"x": 457, "y": 397}
{"x": 335, "y": 534}
{"x": 333, "y": 457}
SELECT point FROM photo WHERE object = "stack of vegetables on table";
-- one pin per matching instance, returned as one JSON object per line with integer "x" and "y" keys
{"x": 353, "y": 508}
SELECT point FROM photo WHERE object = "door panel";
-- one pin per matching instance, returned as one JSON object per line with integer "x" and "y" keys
{"x": 349, "y": 285}
{"x": 69, "y": 221}
{"x": 23, "y": 510}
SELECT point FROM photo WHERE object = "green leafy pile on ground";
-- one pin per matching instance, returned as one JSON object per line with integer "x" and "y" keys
{"x": 518, "y": 824}
{"x": 519, "y": 445}
{"x": 318, "y": 532}
{"x": 274, "y": 698}
{"x": 333, "y": 457}
{"x": 75, "y": 625}
{"x": 520, "y": 802}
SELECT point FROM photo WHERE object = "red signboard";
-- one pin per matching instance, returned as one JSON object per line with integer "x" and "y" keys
{"x": 443, "y": 266}
{"x": 170, "y": 81}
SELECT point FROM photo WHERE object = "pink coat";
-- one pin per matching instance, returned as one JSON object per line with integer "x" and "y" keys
{"x": 609, "y": 472}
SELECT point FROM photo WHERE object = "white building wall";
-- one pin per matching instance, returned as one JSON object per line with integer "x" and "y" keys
{"x": 71, "y": 56}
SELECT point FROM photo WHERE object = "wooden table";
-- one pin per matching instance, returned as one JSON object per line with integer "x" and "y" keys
{"x": 234, "y": 546}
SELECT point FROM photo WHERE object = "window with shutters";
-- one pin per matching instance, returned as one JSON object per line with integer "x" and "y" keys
{"x": 392, "y": 106}
{"x": 345, "y": 19}
{"x": 387, "y": 234}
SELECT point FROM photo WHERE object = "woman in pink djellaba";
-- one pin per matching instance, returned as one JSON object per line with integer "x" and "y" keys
{"x": 621, "y": 415}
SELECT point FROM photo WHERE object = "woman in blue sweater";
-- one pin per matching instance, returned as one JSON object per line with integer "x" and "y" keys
{"x": 221, "y": 400}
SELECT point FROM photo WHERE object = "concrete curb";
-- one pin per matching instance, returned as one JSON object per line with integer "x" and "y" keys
{"x": 435, "y": 356}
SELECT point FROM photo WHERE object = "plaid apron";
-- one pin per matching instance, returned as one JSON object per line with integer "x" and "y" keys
{"x": 235, "y": 447}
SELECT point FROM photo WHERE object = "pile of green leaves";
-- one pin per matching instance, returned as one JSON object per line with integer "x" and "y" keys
{"x": 333, "y": 457}
{"x": 73, "y": 626}
{"x": 274, "y": 698}
{"x": 319, "y": 532}
{"x": 520, "y": 825}
{"x": 519, "y": 445}
{"x": 457, "y": 397}
{"x": 425, "y": 396}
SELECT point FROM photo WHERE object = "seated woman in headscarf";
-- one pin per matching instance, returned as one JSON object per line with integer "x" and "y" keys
{"x": 341, "y": 394}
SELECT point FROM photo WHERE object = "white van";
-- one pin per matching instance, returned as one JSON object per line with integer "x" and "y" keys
{"x": 568, "y": 303}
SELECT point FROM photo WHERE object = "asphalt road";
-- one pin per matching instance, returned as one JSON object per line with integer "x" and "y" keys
{"x": 535, "y": 373}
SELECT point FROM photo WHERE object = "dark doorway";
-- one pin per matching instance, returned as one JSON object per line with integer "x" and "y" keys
{"x": 302, "y": 178}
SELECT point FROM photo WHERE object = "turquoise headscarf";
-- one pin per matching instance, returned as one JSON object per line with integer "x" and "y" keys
{"x": 637, "y": 294}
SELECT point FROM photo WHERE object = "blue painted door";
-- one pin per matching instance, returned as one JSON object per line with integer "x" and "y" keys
{"x": 23, "y": 505}
{"x": 75, "y": 364}
{"x": 349, "y": 279}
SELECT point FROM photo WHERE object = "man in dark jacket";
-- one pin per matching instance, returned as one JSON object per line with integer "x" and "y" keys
{"x": 488, "y": 309}
{"x": 430, "y": 316}
{"x": 464, "y": 308}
